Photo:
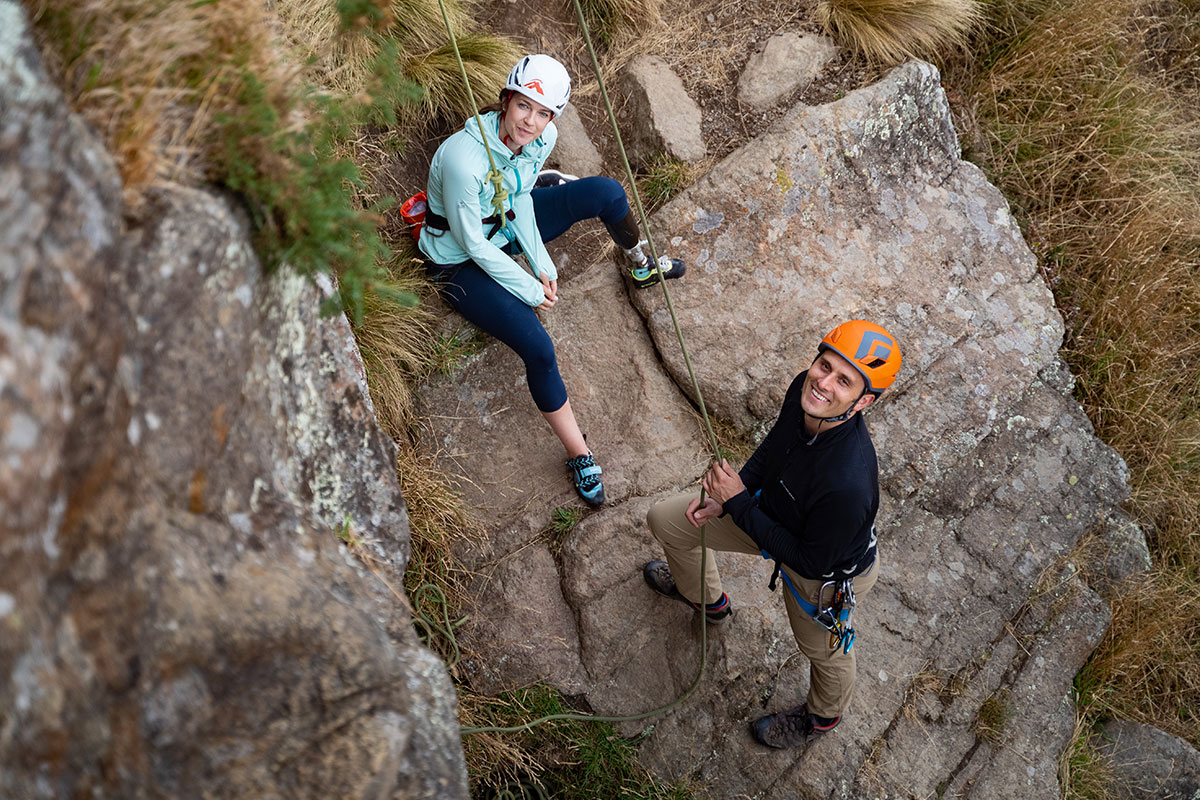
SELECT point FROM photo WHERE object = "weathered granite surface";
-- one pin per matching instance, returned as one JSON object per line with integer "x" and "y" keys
{"x": 660, "y": 116}
{"x": 1149, "y": 763}
{"x": 990, "y": 472}
{"x": 788, "y": 61}
{"x": 180, "y": 441}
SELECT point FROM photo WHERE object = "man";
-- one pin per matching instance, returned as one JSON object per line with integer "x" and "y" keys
{"x": 807, "y": 497}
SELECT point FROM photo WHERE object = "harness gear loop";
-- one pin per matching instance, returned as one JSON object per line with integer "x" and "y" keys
{"x": 834, "y": 617}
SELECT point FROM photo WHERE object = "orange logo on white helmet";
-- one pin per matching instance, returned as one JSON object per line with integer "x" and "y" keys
{"x": 536, "y": 85}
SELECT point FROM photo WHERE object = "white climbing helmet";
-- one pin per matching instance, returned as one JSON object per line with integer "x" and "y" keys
{"x": 543, "y": 80}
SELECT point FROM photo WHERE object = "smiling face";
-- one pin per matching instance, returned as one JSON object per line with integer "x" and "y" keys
{"x": 831, "y": 388}
{"x": 523, "y": 121}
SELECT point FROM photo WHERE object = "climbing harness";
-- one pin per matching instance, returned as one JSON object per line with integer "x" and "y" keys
{"x": 834, "y": 616}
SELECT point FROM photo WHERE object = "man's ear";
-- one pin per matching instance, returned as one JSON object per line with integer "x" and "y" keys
{"x": 864, "y": 401}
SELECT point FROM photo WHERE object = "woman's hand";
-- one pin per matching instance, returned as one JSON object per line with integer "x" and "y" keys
{"x": 550, "y": 289}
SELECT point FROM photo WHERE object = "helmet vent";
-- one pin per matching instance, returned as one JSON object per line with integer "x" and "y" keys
{"x": 878, "y": 362}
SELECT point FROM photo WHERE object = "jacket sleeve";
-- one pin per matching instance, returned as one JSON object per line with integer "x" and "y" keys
{"x": 828, "y": 537}
{"x": 460, "y": 190}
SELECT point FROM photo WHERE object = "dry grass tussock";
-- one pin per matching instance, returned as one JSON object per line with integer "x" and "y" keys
{"x": 344, "y": 59}
{"x": 890, "y": 31}
{"x": 151, "y": 76}
{"x": 1097, "y": 143}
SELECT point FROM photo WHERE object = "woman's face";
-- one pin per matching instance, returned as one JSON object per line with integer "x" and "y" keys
{"x": 523, "y": 121}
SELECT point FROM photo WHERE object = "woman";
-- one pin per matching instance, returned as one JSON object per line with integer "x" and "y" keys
{"x": 470, "y": 254}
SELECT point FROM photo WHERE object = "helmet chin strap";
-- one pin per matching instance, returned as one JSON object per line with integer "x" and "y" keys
{"x": 849, "y": 412}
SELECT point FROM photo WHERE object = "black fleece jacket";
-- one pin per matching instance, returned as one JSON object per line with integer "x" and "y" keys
{"x": 816, "y": 509}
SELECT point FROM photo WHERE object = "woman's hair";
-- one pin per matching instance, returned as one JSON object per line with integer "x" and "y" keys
{"x": 500, "y": 103}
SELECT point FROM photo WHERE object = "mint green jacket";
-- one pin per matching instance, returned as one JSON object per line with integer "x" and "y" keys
{"x": 458, "y": 189}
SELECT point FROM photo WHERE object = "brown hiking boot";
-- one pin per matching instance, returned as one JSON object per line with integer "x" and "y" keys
{"x": 658, "y": 577}
{"x": 791, "y": 728}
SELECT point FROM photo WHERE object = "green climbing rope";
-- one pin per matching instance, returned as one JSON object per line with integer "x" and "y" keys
{"x": 494, "y": 176}
{"x": 703, "y": 413}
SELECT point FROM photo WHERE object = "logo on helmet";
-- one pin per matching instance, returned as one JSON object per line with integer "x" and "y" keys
{"x": 875, "y": 344}
{"x": 536, "y": 85}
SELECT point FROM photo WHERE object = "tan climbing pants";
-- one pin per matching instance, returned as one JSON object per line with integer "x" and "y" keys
{"x": 831, "y": 672}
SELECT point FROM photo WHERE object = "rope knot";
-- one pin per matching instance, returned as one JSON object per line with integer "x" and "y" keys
{"x": 500, "y": 196}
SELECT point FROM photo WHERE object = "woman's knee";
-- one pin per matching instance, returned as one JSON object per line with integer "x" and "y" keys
{"x": 610, "y": 196}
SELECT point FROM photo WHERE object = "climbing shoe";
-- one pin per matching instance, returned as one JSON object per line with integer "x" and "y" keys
{"x": 642, "y": 270}
{"x": 658, "y": 577}
{"x": 645, "y": 275}
{"x": 552, "y": 177}
{"x": 586, "y": 475}
{"x": 791, "y": 728}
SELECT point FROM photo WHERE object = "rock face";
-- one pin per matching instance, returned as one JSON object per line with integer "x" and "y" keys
{"x": 182, "y": 441}
{"x": 660, "y": 115}
{"x": 574, "y": 152}
{"x": 990, "y": 472}
{"x": 788, "y": 61}
{"x": 1149, "y": 763}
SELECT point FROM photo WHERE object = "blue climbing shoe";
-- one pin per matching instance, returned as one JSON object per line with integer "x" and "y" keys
{"x": 658, "y": 577}
{"x": 552, "y": 177}
{"x": 586, "y": 475}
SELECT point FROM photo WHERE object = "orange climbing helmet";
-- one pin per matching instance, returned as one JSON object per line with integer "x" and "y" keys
{"x": 869, "y": 348}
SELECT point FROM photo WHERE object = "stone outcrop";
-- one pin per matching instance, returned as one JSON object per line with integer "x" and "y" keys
{"x": 1149, "y": 763}
{"x": 990, "y": 472}
{"x": 574, "y": 152}
{"x": 788, "y": 61}
{"x": 182, "y": 443}
{"x": 659, "y": 115}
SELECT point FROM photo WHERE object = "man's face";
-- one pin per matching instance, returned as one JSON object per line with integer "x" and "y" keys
{"x": 832, "y": 387}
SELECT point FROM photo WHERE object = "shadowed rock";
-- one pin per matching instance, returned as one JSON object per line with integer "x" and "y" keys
{"x": 660, "y": 116}
{"x": 1149, "y": 763}
{"x": 182, "y": 439}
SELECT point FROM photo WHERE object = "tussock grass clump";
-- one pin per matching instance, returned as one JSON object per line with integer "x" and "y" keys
{"x": 487, "y": 59}
{"x": 890, "y": 31}
{"x": 423, "y": 53}
{"x": 1090, "y": 129}
{"x": 613, "y": 22}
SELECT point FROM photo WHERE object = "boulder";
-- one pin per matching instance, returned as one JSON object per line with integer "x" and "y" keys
{"x": 1149, "y": 763}
{"x": 990, "y": 471}
{"x": 659, "y": 114}
{"x": 1120, "y": 553}
{"x": 788, "y": 61}
{"x": 574, "y": 152}
{"x": 202, "y": 524}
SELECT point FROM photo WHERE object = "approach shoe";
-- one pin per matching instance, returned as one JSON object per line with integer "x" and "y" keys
{"x": 658, "y": 577}
{"x": 552, "y": 177}
{"x": 791, "y": 728}
{"x": 586, "y": 475}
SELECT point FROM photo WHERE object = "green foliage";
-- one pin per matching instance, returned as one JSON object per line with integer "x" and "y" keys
{"x": 301, "y": 194}
{"x": 564, "y": 519}
{"x": 661, "y": 179}
{"x": 574, "y": 760}
{"x": 993, "y": 715}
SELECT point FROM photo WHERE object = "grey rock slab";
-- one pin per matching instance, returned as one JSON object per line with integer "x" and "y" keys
{"x": 188, "y": 437}
{"x": 660, "y": 115}
{"x": 574, "y": 152}
{"x": 521, "y": 631}
{"x": 1150, "y": 763}
{"x": 788, "y": 61}
{"x": 484, "y": 426}
{"x": 1121, "y": 554}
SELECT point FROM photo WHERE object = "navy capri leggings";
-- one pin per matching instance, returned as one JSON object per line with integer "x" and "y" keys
{"x": 495, "y": 310}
